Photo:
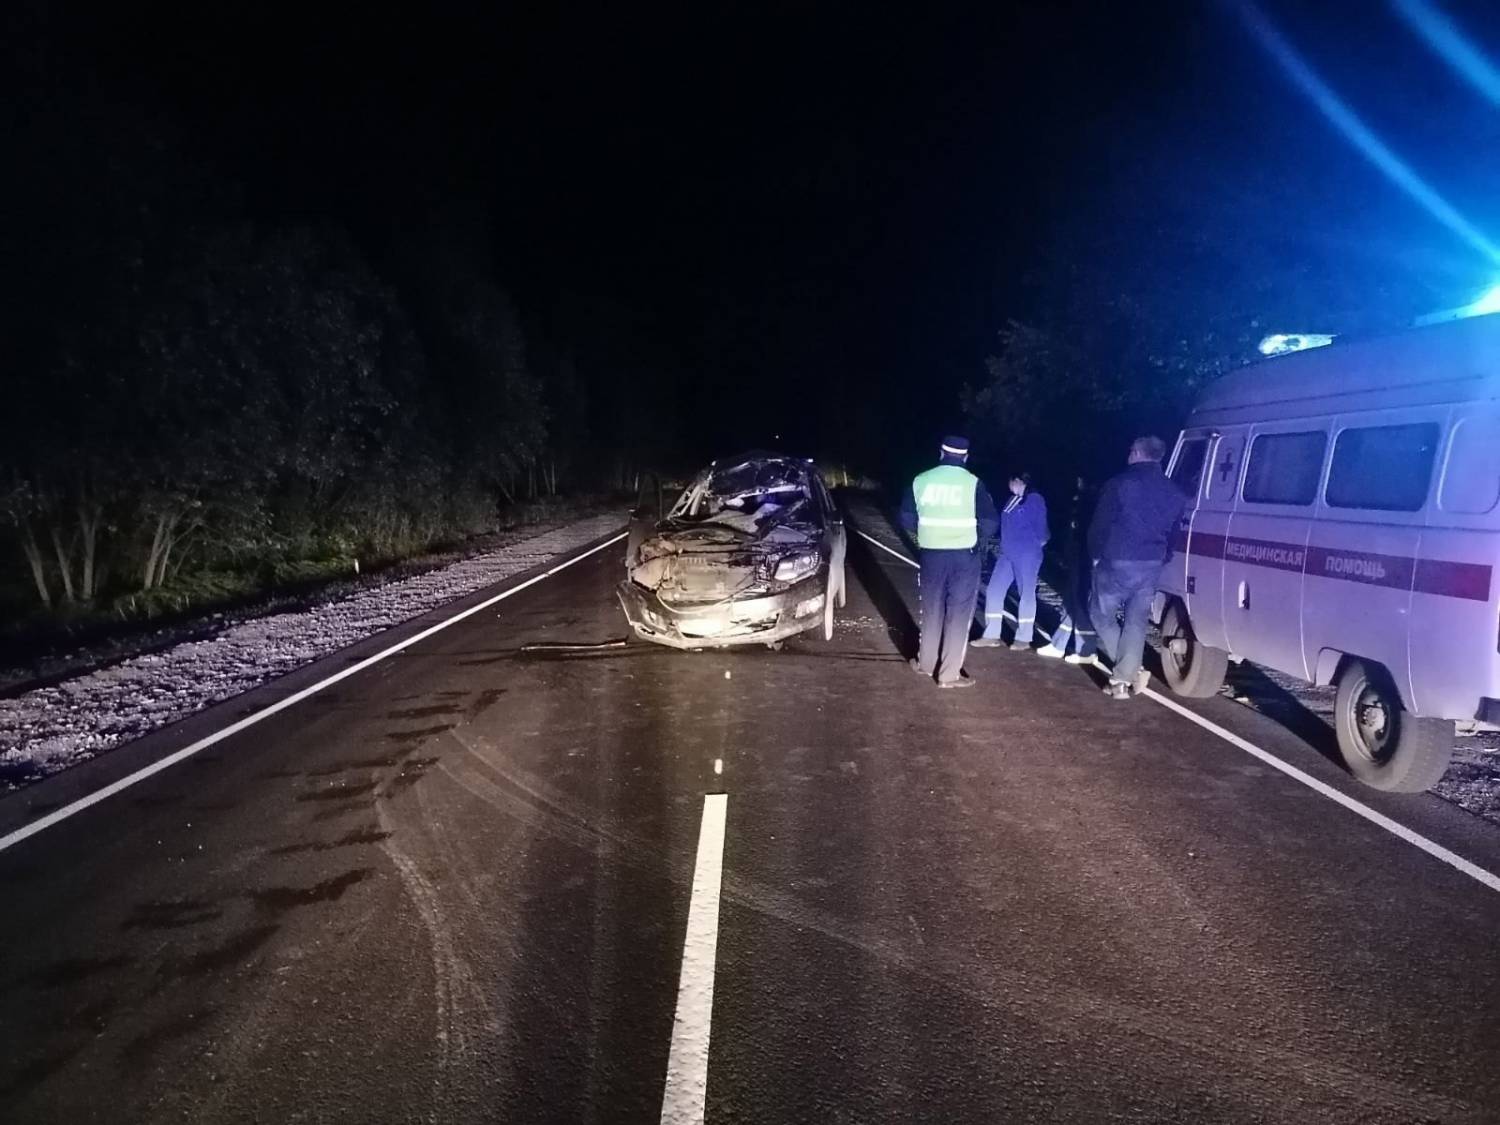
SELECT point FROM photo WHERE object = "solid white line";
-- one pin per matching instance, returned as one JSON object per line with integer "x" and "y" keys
{"x": 888, "y": 550}
{"x": 687, "y": 1062}
{"x": 1395, "y": 828}
{"x": 45, "y": 822}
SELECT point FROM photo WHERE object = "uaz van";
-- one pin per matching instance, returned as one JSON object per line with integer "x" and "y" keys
{"x": 1344, "y": 528}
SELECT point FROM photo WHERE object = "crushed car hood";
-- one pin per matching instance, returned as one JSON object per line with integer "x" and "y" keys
{"x": 727, "y": 535}
{"x": 713, "y": 562}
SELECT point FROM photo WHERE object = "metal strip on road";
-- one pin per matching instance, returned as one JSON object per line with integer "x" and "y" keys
{"x": 57, "y": 815}
{"x": 1395, "y": 828}
{"x": 687, "y": 1063}
{"x": 887, "y": 550}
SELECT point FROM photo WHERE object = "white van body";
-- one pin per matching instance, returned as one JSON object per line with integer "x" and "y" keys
{"x": 1346, "y": 506}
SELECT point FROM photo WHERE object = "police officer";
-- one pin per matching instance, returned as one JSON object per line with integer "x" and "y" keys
{"x": 951, "y": 513}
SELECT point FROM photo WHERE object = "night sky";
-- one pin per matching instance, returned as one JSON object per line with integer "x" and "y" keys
{"x": 810, "y": 220}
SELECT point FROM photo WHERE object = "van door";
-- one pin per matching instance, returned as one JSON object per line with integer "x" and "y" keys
{"x": 1455, "y": 601}
{"x": 1266, "y": 544}
{"x": 1361, "y": 559}
{"x": 1186, "y": 472}
{"x": 1205, "y": 574}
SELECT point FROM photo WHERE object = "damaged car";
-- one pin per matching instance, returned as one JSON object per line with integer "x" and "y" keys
{"x": 752, "y": 552}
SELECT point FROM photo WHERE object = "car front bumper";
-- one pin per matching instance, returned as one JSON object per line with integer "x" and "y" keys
{"x": 764, "y": 619}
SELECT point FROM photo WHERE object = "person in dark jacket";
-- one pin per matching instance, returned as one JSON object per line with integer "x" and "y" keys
{"x": 951, "y": 513}
{"x": 1076, "y": 629}
{"x": 1129, "y": 541}
{"x": 1023, "y": 535}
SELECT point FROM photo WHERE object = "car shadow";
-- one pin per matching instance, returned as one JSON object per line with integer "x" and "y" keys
{"x": 873, "y": 575}
{"x": 1283, "y": 707}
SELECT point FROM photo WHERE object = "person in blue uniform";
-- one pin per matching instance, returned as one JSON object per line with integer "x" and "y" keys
{"x": 951, "y": 513}
{"x": 1023, "y": 536}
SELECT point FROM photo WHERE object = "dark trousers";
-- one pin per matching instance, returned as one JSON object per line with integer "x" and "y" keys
{"x": 1077, "y": 625}
{"x": 947, "y": 589}
{"x": 1124, "y": 589}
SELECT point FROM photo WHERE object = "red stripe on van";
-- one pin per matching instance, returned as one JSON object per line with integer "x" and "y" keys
{"x": 1204, "y": 544}
{"x": 1453, "y": 579}
{"x": 1471, "y": 581}
{"x": 1394, "y": 571}
{"x": 1265, "y": 552}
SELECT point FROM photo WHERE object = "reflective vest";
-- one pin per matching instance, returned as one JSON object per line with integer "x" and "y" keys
{"x": 945, "y": 508}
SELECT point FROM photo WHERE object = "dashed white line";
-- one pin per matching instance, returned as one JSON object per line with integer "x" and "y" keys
{"x": 1395, "y": 828}
{"x": 41, "y": 824}
{"x": 687, "y": 1062}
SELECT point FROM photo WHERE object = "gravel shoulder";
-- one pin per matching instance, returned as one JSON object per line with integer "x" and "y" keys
{"x": 52, "y": 727}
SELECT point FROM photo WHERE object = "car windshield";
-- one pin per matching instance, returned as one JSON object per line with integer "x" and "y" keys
{"x": 749, "y": 495}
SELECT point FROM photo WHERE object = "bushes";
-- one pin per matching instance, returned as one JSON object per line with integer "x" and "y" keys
{"x": 198, "y": 398}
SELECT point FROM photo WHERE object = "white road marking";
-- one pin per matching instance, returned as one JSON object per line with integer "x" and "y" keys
{"x": 687, "y": 1062}
{"x": 1395, "y": 828}
{"x": 41, "y": 824}
{"x": 1437, "y": 851}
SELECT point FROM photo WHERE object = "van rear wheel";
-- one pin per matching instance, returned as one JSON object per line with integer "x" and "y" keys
{"x": 1383, "y": 744}
{"x": 1192, "y": 669}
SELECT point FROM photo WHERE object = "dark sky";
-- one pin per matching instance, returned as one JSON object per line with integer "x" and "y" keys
{"x": 783, "y": 204}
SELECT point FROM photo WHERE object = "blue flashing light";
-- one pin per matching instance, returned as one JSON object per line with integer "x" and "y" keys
{"x": 1284, "y": 343}
{"x": 1488, "y": 302}
{"x": 1448, "y": 41}
{"x": 1485, "y": 304}
{"x": 1357, "y": 132}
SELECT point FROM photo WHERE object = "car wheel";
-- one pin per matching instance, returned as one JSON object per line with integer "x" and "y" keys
{"x": 1191, "y": 668}
{"x": 1383, "y": 744}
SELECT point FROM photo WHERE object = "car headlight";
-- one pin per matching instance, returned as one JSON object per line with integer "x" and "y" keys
{"x": 793, "y": 568}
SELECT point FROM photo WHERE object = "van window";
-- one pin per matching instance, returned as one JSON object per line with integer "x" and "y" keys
{"x": 1471, "y": 480}
{"x": 1284, "y": 468}
{"x": 1225, "y": 476}
{"x": 1187, "y": 472}
{"x": 1383, "y": 468}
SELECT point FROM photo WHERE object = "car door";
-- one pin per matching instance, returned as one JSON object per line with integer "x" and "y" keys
{"x": 834, "y": 535}
{"x": 1266, "y": 543}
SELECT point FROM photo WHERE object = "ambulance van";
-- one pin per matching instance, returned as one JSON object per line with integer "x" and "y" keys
{"x": 1344, "y": 528}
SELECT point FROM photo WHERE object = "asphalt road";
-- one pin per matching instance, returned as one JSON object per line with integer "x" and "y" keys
{"x": 454, "y": 887}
